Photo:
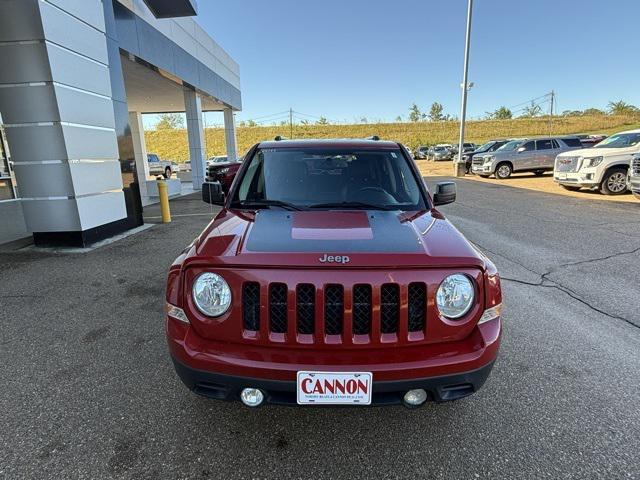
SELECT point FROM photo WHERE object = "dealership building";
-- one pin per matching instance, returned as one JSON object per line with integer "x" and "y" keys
{"x": 75, "y": 78}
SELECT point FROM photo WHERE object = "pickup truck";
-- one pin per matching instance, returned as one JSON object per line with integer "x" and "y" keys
{"x": 161, "y": 167}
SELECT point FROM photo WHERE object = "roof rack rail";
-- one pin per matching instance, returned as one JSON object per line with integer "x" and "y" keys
{"x": 375, "y": 138}
{"x": 279, "y": 138}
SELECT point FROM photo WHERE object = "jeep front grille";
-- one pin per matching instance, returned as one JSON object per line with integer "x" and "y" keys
{"x": 278, "y": 308}
{"x": 251, "y": 306}
{"x": 417, "y": 306}
{"x": 306, "y": 308}
{"x": 362, "y": 309}
{"x": 389, "y": 308}
{"x": 333, "y": 309}
{"x": 342, "y": 311}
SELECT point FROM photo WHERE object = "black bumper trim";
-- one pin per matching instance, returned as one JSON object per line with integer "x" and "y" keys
{"x": 228, "y": 387}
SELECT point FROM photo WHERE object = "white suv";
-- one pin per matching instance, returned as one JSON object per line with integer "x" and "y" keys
{"x": 603, "y": 167}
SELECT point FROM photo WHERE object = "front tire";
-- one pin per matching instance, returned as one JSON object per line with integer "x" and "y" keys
{"x": 614, "y": 182}
{"x": 167, "y": 172}
{"x": 503, "y": 171}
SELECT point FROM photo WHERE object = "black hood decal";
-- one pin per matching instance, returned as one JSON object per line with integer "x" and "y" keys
{"x": 332, "y": 232}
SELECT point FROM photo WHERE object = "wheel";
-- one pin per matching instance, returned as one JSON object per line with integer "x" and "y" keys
{"x": 614, "y": 182}
{"x": 167, "y": 172}
{"x": 538, "y": 173}
{"x": 504, "y": 171}
{"x": 571, "y": 188}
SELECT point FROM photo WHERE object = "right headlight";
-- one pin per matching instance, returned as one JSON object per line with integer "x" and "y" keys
{"x": 455, "y": 296}
{"x": 592, "y": 162}
{"x": 211, "y": 294}
{"x": 489, "y": 159}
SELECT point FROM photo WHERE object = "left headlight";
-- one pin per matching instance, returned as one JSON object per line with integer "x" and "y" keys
{"x": 592, "y": 162}
{"x": 211, "y": 294}
{"x": 455, "y": 296}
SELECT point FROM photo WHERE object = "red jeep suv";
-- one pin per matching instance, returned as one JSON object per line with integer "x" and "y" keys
{"x": 328, "y": 278}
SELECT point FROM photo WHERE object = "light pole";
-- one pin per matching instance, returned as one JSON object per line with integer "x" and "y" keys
{"x": 459, "y": 165}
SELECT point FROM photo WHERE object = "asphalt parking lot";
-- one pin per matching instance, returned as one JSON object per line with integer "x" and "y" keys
{"x": 88, "y": 390}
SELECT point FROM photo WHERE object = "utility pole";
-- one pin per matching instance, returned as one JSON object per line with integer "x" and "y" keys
{"x": 459, "y": 165}
{"x": 291, "y": 123}
{"x": 553, "y": 97}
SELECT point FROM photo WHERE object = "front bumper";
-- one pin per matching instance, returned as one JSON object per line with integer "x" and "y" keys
{"x": 577, "y": 179}
{"x": 228, "y": 387}
{"x": 447, "y": 371}
{"x": 634, "y": 185}
{"x": 482, "y": 169}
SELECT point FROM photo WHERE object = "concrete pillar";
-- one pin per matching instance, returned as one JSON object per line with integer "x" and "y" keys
{"x": 140, "y": 152}
{"x": 195, "y": 131}
{"x": 230, "y": 134}
{"x": 57, "y": 104}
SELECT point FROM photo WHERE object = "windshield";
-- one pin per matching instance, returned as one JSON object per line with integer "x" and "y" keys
{"x": 329, "y": 178}
{"x": 512, "y": 145}
{"x": 219, "y": 159}
{"x": 485, "y": 147}
{"x": 621, "y": 140}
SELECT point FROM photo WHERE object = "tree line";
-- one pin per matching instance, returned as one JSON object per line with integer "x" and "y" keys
{"x": 175, "y": 121}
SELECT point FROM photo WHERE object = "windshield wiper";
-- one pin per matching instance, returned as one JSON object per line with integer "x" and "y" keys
{"x": 265, "y": 203}
{"x": 369, "y": 206}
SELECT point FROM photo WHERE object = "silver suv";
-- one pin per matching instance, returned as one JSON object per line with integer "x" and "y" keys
{"x": 525, "y": 155}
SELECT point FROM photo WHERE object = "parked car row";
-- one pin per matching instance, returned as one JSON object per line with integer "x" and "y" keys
{"x": 609, "y": 165}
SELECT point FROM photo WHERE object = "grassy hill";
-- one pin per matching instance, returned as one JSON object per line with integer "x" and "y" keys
{"x": 172, "y": 144}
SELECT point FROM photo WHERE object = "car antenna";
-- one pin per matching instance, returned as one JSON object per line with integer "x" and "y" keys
{"x": 375, "y": 138}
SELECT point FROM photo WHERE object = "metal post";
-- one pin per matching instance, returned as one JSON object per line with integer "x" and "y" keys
{"x": 459, "y": 166}
{"x": 291, "y": 123}
{"x": 553, "y": 97}
{"x": 163, "y": 193}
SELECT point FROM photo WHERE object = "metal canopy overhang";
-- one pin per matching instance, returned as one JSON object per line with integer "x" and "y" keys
{"x": 172, "y": 8}
{"x": 151, "y": 90}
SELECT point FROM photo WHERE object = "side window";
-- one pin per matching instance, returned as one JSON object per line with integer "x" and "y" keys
{"x": 253, "y": 178}
{"x": 544, "y": 144}
{"x": 556, "y": 144}
{"x": 528, "y": 147}
{"x": 572, "y": 142}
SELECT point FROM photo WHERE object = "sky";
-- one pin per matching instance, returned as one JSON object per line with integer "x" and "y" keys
{"x": 349, "y": 59}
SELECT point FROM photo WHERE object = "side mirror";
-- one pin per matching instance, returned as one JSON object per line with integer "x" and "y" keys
{"x": 445, "y": 193}
{"x": 212, "y": 193}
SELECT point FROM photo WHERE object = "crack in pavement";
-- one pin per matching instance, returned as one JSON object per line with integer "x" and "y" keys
{"x": 546, "y": 282}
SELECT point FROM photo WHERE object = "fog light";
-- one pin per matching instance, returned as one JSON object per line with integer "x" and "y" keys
{"x": 413, "y": 398}
{"x": 251, "y": 397}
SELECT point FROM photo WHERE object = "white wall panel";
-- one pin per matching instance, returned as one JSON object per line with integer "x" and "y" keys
{"x": 63, "y": 29}
{"x": 101, "y": 209}
{"x": 76, "y": 71}
{"x": 88, "y": 11}
{"x": 92, "y": 177}
{"x": 90, "y": 143}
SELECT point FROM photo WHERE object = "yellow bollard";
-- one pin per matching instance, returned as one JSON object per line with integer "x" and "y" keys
{"x": 163, "y": 193}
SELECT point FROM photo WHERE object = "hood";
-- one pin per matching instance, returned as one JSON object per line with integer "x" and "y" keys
{"x": 278, "y": 238}
{"x": 597, "y": 152}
